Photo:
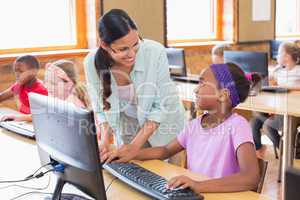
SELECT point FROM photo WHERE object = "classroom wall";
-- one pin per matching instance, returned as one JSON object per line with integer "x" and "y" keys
{"x": 197, "y": 57}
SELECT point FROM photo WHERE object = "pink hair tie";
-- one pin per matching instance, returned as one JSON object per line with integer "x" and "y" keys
{"x": 249, "y": 76}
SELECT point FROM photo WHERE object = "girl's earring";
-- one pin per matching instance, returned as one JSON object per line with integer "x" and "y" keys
{"x": 222, "y": 98}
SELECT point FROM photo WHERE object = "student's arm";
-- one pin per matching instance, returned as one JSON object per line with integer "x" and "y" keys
{"x": 161, "y": 153}
{"x": 246, "y": 179}
{"x": 272, "y": 76}
{"x": 23, "y": 117}
{"x": 6, "y": 94}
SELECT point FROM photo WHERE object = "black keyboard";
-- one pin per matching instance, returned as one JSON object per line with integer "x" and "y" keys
{"x": 148, "y": 182}
{"x": 274, "y": 89}
{"x": 186, "y": 79}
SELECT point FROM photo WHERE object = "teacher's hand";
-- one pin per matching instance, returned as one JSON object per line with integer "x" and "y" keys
{"x": 104, "y": 149}
{"x": 124, "y": 154}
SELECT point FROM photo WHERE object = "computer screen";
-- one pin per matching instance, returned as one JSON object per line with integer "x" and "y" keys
{"x": 66, "y": 134}
{"x": 176, "y": 60}
{"x": 249, "y": 62}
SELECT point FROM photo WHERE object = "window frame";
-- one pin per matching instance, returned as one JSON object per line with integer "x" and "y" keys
{"x": 80, "y": 9}
{"x": 293, "y": 35}
{"x": 217, "y": 23}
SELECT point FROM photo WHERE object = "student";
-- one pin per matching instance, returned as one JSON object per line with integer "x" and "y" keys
{"x": 130, "y": 88}
{"x": 217, "y": 53}
{"x": 26, "y": 69}
{"x": 61, "y": 80}
{"x": 219, "y": 144}
{"x": 286, "y": 74}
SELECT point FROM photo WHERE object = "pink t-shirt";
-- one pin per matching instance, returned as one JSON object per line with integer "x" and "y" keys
{"x": 213, "y": 151}
{"x": 22, "y": 91}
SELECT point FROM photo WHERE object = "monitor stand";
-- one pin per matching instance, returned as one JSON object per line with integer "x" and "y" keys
{"x": 58, "y": 195}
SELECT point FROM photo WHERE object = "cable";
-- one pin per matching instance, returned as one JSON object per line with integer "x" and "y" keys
{"x": 32, "y": 192}
{"x": 30, "y": 176}
{"x": 25, "y": 187}
{"x": 107, "y": 188}
{"x": 17, "y": 181}
{"x": 57, "y": 168}
{"x": 50, "y": 163}
{"x": 47, "y": 193}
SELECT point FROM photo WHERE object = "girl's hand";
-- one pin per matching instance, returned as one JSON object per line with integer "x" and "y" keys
{"x": 182, "y": 182}
{"x": 9, "y": 118}
{"x": 124, "y": 154}
{"x": 272, "y": 81}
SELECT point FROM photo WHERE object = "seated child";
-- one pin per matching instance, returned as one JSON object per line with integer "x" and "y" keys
{"x": 61, "y": 80}
{"x": 217, "y": 53}
{"x": 286, "y": 74}
{"x": 219, "y": 144}
{"x": 26, "y": 69}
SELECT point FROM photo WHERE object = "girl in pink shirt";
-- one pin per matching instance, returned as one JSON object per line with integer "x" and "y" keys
{"x": 219, "y": 143}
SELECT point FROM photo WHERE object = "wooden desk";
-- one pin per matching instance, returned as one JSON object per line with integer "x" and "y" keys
{"x": 20, "y": 158}
{"x": 286, "y": 104}
{"x": 297, "y": 163}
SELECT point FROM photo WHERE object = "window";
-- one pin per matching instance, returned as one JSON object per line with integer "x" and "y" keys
{"x": 41, "y": 25}
{"x": 191, "y": 20}
{"x": 287, "y": 18}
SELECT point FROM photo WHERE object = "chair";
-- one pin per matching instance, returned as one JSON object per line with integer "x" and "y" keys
{"x": 292, "y": 191}
{"x": 274, "y": 146}
{"x": 263, "y": 165}
{"x": 296, "y": 152}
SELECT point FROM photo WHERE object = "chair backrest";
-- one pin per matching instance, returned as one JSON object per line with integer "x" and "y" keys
{"x": 292, "y": 191}
{"x": 176, "y": 59}
{"x": 297, "y": 144}
{"x": 263, "y": 165}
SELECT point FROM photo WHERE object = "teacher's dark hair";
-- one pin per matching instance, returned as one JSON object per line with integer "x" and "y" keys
{"x": 112, "y": 26}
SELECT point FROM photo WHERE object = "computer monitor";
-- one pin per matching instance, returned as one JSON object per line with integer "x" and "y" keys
{"x": 249, "y": 62}
{"x": 176, "y": 60}
{"x": 292, "y": 182}
{"x": 65, "y": 134}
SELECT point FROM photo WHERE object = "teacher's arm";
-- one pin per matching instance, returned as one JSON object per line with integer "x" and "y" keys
{"x": 95, "y": 91}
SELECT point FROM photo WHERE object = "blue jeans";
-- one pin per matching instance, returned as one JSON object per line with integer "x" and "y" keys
{"x": 270, "y": 125}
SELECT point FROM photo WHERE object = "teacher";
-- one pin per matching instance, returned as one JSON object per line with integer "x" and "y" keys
{"x": 130, "y": 88}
